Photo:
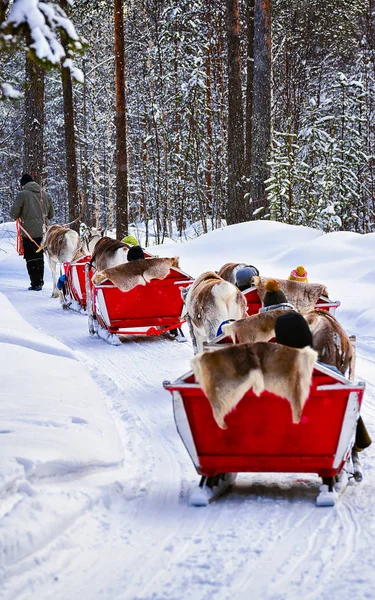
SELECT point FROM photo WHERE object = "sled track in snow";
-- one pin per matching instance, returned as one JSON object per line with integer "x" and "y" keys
{"x": 267, "y": 539}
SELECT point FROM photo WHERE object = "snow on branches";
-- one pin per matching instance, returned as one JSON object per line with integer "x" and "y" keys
{"x": 41, "y": 24}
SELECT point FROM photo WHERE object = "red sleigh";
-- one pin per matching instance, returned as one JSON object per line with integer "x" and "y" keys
{"x": 152, "y": 309}
{"x": 254, "y": 303}
{"x": 261, "y": 437}
{"x": 75, "y": 284}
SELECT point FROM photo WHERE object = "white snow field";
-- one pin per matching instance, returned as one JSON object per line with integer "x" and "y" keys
{"x": 94, "y": 479}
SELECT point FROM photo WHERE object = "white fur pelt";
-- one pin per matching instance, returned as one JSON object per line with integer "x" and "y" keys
{"x": 209, "y": 302}
{"x": 61, "y": 245}
{"x": 225, "y": 375}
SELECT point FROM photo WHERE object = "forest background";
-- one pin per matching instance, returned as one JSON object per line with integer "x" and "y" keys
{"x": 202, "y": 78}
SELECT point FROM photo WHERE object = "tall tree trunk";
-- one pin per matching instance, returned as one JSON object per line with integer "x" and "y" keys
{"x": 121, "y": 150}
{"x": 249, "y": 85}
{"x": 236, "y": 207}
{"x": 34, "y": 121}
{"x": 70, "y": 140}
{"x": 261, "y": 137}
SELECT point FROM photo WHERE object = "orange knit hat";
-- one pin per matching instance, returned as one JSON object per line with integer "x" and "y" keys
{"x": 299, "y": 274}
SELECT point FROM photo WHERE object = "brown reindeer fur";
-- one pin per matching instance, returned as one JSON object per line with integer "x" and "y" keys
{"x": 105, "y": 247}
{"x": 225, "y": 375}
{"x": 209, "y": 302}
{"x": 257, "y": 328}
{"x": 303, "y": 296}
{"x": 330, "y": 340}
{"x": 229, "y": 270}
{"x": 55, "y": 241}
{"x": 138, "y": 272}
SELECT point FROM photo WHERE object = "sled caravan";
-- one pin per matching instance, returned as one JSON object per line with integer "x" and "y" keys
{"x": 267, "y": 391}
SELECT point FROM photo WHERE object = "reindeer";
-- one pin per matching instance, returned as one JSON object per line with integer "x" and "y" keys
{"x": 333, "y": 345}
{"x": 89, "y": 238}
{"x": 61, "y": 245}
{"x": 209, "y": 302}
{"x": 109, "y": 253}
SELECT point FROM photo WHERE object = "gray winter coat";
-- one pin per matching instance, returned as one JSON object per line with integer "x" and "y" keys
{"x": 27, "y": 207}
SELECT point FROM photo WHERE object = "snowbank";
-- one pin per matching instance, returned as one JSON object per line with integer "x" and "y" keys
{"x": 54, "y": 424}
{"x": 343, "y": 261}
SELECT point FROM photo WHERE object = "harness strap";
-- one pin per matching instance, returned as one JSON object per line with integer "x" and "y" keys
{"x": 30, "y": 238}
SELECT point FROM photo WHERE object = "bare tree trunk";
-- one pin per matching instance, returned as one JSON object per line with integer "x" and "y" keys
{"x": 208, "y": 170}
{"x": 236, "y": 206}
{"x": 34, "y": 121}
{"x": 249, "y": 85}
{"x": 70, "y": 139}
{"x": 121, "y": 149}
{"x": 261, "y": 137}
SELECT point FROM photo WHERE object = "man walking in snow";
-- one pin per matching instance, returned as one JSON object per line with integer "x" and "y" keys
{"x": 33, "y": 207}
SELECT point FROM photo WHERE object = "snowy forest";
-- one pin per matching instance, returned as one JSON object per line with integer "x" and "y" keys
{"x": 172, "y": 112}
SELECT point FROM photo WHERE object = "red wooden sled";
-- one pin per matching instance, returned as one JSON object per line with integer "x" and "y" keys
{"x": 254, "y": 304}
{"x": 151, "y": 309}
{"x": 75, "y": 284}
{"x": 261, "y": 437}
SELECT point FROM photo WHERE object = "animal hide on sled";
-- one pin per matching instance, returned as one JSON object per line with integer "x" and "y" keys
{"x": 257, "y": 328}
{"x": 303, "y": 296}
{"x": 226, "y": 375}
{"x": 138, "y": 272}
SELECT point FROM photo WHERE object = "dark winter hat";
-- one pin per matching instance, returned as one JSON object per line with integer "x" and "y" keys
{"x": 26, "y": 178}
{"x": 292, "y": 330}
{"x": 135, "y": 253}
{"x": 273, "y": 294}
{"x": 244, "y": 275}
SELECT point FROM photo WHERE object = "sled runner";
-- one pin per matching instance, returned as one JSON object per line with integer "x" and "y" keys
{"x": 151, "y": 309}
{"x": 254, "y": 303}
{"x": 261, "y": 436}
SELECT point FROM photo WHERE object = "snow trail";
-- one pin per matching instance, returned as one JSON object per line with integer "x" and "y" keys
{"x": 135, "y": 538}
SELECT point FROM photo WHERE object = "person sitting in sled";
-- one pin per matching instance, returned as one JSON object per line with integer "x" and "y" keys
{"x": 244, "y": 277}
{"x": 299, "y": 274}
{"x": 274, "y": 298}
{"x": 135, "y": 253}
{"x": 292, "y": 330}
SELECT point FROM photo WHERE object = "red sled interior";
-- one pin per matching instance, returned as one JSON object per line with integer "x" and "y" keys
{"x": 76, "y": 280}
{"x": 260, "y": 434}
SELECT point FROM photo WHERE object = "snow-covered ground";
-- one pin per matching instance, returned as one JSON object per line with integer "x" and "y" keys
{"x": 94, "y": 479}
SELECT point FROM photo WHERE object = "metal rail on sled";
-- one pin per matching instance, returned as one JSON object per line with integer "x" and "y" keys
{"x": 261, "y": 437}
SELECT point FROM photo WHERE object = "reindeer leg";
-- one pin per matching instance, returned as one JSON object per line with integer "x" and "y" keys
{"x": 353, "y": 340}
{"x": 192, "y": 334}
{"x": 53, "y": 265}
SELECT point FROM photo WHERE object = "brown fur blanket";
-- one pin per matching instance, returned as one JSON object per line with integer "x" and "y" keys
{"x": 303, "y": 296}
{"x": 257, "y": 328}
{"x": 226, "y": 375}
{"x": 138, "y": 272}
